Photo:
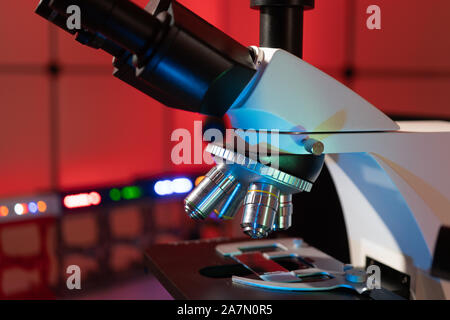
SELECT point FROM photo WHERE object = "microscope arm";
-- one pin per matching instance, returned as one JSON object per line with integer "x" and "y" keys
{"x": 394, "y": 190}
{"x": 392, "y": 178}
{"x": 290, "y": 95}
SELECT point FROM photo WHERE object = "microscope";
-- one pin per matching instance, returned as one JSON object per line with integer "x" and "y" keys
{"x": 290, "y": 120}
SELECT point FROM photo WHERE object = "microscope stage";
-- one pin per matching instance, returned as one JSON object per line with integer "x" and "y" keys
{"x": 198, "y": 270}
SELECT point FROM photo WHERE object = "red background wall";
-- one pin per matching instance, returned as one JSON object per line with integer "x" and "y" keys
{"x": 106, "y": 131}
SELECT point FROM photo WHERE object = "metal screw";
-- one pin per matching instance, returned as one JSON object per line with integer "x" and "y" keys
{"x": 313, "y": 146}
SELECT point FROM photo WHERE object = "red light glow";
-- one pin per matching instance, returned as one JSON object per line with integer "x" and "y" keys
{"x": 21, "y": 209}
{"x": 82, "y": 200}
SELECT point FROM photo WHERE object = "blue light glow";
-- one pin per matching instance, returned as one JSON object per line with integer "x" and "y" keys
{"x": 169, "y": 187}
{"x": 182, "y": 185}
{"x": 163, "y": 187}
{"x": 33, "y": 207}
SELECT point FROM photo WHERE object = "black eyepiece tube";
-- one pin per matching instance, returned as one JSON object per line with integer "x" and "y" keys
{"x": 91, "y": 39}
{"x": 175, "y": 57}
{"x": 282, "y": 28}
{"x": 44, "y": 10}
{"x": 98, "y": 41}
{"x": 121, "y": 21}
{"x": 200, "y": 68}
{"x": 281, "y": 23}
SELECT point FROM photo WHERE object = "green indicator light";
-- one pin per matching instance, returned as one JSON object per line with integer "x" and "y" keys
{"x": 114, "y": 194}
{"x": 132, "y": 192}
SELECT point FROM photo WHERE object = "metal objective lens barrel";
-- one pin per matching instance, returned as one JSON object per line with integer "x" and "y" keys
{"x": 283, "y": 219}
{"x": 260, "y": 209}
{"x": 231, "y": 205}
{"x": 216, "y": 185}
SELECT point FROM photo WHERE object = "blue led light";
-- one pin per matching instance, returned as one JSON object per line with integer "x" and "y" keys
{"x": 33, "y": 207}
{"x": 182, "y": 185}
{"x": 163, "y": 187}
{"x": 169, "y": 187}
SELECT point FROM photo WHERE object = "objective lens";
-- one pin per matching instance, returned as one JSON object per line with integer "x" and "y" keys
{"x": 260, "y": 209}
{"x": 216, "y": 185}
{"x": 231, "y": 205}
{"x": 283, "y": 219}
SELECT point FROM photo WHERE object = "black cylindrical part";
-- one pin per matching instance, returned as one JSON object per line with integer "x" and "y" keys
{"x": 199, "y": 78}
{"x": 92, "y": 39}
{"x": 121, "y": 21}
{"x": 44, "y": 10}
{"x": 176, "y": 57}
{"x": 282, "y": 27}
{"x": 281, "y": 23}
{"x": 98, "y": 41}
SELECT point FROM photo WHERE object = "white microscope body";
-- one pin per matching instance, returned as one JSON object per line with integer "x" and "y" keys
{"x": 392, "y": 178}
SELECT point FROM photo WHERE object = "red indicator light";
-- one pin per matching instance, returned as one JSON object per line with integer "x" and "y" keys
{"x": 21, "y": 209}
{"x": 82, "y": 200}
{"x": 94, "y": 198}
